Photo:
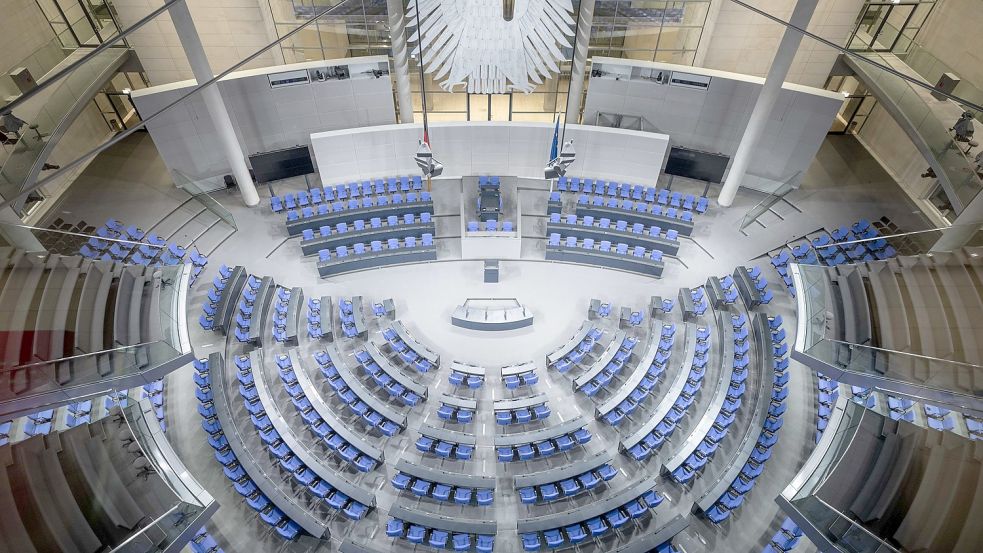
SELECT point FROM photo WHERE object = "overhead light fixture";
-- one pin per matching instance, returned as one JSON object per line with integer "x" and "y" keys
{"x": 126, "y": 90}
{"x": 845, "y": 93}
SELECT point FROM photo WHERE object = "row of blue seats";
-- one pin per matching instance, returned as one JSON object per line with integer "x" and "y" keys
{"x": 287, "y": 459}
{"x": 544, "y": 448}
{"x": 785, "y": 539}
{"x": 655, "y": 231}
{"x": 81, "y": 412}
{"x": 578, "y": 353}
{"x": 472, "y": 381}
{"x": 760, "y": 283}
{"x": 648, "y": 382}
{"x": 354, "y": 403}
{"x": 344, "y": 191}
{"x": 612, "y": 369}
{"x": 154, "y": 391}
{"x": 346, "y": 313}
{"x": 462, "y": 495}
{"x": 710, "y": 442}
{"x": 569, "y": 487}
{"x": 637, "y": 207}
{"x": 243, "y": 484}
{"x": 603, "y": 246}
{"x": 375, "y": 246}
{"x": 513, "y": 381}
{"x": 244, "y": 309}
{"x": 385, "y": 381}
{"x": 664, "y": 428}
{"x": 203, "y": 542}
{"x": 827, "y": 393}
{"x": 767, "y": 438}
{"x": 314, "y": 329}
{"x": 348, "y": 451}
{"x": 406, "y": 352}
{"x": 522, "y": 415}
{"x": 455, "y": 414}
{"x": 39, "y": 423}
{"x": 440, "y": 539}
{"x": 357, "y": 203}
{"x": 490, "y": 225}
{"x": 635, "y": 192}
{"x": 359, "y": 225}
{"x": 279, "y": 316}
{"x": 594, "y": 527}
{"x": 444, "y": 448}
{"x": 207, "y": 318}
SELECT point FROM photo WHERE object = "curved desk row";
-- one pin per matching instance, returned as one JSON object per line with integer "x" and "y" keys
{"x": 492, "y": 319}
{"x": 327, "y": 414}
{"x": 520, "y": 402}
{"x": 647, "y": 241}
{"x": 282, "y": 427}
{"x": 548, "y": 433}
{"x": 631, "y": 383}
{"x": 261, "y": 475}
{"x": 571, "y": 470}
{"x": 441, "y": 476}
{"x": 570, "y": 344}
{"x": 265, "y": 295}
{"x": 459, "y": 402}
{"x": 765, "y": 368}
{"x": 652, "y": 539}
{"x": 672, "y": 393}
{"x": 399, "y": 376}
{"x": 443, "y": 522}
{"x": 591, "y": 510}
{"x": 349, "y": 216}
{"x": 366, "y": 236}
{"x": 608, "y": 260}
{"x": 467, "y": 369}
{"x": 416, "y": 345}
{"x": 371, "y": 260}
{"x": 294, "y": 307}
{"x": 451, "y": 436}
{"x": 361, "y": 391}
{"x": 685, "y": 228}
{"x": 228, "y": 301}
{"x": 601, "y": 362}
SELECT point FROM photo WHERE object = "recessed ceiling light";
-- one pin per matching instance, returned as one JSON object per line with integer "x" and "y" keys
{"x": 845, "y": 93}
{"x": 126, "y": 91}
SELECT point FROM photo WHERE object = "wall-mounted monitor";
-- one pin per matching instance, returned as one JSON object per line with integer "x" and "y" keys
{"x": 697, "y": 165}
{"x": 282, "y": 164}
{"x": 289, "y": 78}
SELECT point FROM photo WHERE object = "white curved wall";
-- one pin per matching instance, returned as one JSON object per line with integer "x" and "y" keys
{"x": 489, "y": 148}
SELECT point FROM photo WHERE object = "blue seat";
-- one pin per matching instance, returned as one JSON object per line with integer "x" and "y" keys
{"x": 461, "y": 542}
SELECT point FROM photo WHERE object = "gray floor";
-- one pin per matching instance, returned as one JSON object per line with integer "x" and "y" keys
{"x": 843, "y": 185}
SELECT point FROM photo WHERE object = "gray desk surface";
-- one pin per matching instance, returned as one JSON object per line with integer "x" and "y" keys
{"x": 725, "y": 329}
{"x": 297, "y": 226}
{"x": 366, "y": 236}
{"x": 340, "y": 427}
{"x": 686, "y": 301}
{"x": 370, "y": 260}
{"x": 541, "y": 434}
{"x": 446, "y": 435}
{"x": 439, "y": 475}
{"x": 519, "y": 368}
{"x": 632, "y": 381}
{"x": 229, "y": 299}
{"x": 652, "y": 539}
{"x": 610, "y": 260}
{"x": 647, "y": 219}
{"x": 361, "y": 391}
{"x": 519, "y": 402}
{"x": 358, "y": 313}
{"x": 327, "y": 316}
{"x": 442, "y": 522}
{"x": 465, "y": 368}
{"x": 570, "y": 344}
{"x": 298, "y": 448}
{"x": 715, "y": 290}
{"x": 647, "y": 241}
{"x": 762, "y": 340}
{"x": 671, "y": 394}
{"x": 265, "y": 295}
{"x": 291, "y": 505}
{"x": 394, "y": 372}
{"x": 294, "y": 307}
{"x": 745, "y": 285}
{"x": 570, "y": 470}
{"x": 601, "y": 362}
{"x": 590, "y": 510}
{"x": 418, "y": 347}
{"x": 463, "y": 402}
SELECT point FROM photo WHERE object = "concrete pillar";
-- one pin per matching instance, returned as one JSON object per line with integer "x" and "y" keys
{"x": 585, "y": 19}
{"x": 193, "y": 49}
{"x": 13, "y": 231}
{"x": 767, "y": 98}
{"x": 966, "y": 225}
{"x": 401, "y": 68}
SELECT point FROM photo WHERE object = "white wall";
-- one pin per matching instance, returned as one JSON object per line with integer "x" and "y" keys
{"x": 26, "y": 40}
{"x": 953, "y": 34}
{"x": 714, "y": 119}
{"x": 742, "y": 41}
{"x": 488, "y": 148}
{"x": 230, "y": 30}
{"x": 264, "y": 118}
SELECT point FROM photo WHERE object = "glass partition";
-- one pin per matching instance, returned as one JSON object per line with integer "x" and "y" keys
{"x": 200, "y": 190}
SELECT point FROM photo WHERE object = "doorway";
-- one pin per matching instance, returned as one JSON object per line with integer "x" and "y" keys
{"x": 857, "y": 104}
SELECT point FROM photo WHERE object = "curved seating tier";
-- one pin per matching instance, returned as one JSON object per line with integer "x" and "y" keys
{"x": 574, "y": 249}
{"x": 521, "y": 410}
{"x": 544, "y": 442}
{"x": 330, "y": 213}
{"x": 443, "y": 485}
{"x": 375, "y": 229}
{"x": 344, "y": 191}
{"x": 397, "y": 384}
{"x": 639, "y": 385}
{"x": 568, "y": 480}
{"x": 575, "y": 348}
{"x": 456, "y": 409}
{"x": 607, "y": 365}
{"x": 656, "y": 539}
{"x": 448, "y": 444}
{"x": 463, "y": 374}
{"x": 441, "y": 531}
{"x": 351, "y": 313}
{"x": 635, "y": 192}
{"x": 412, "y": 249}
{"x": 350, "y": 390}
{"x": 519, "y": 374}
{"x": 615, "y": 232}
{"x": 594, "y": 519}
{"x": 411, "y": 350}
